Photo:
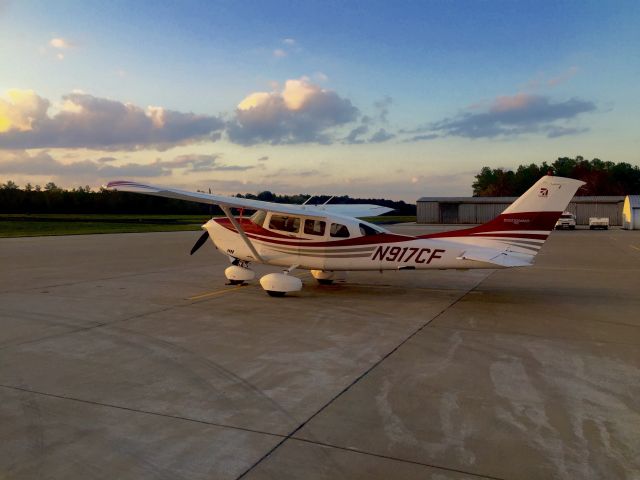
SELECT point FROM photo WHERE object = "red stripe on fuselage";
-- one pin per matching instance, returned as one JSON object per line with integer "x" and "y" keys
{"x": 519, "y": 223}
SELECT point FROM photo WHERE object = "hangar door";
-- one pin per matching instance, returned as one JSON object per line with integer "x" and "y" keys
{"x": 448, "y": 213}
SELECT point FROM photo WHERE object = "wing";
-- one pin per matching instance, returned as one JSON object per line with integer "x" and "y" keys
{"x": 356, "y": 210}
{"x": 351, "y": 210}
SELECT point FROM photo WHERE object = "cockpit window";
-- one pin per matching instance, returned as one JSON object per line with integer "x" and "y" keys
{"x": 338, "y": 230}
{"x": 284, "y": 223}
{"x": 259, "y": 217}
{"x": 314, "y": 227}
{"x": 366, "y": 230}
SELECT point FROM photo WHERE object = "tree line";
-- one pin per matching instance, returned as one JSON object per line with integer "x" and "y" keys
{"x": 601, "y": 177}
{"x": 53, "y": 199}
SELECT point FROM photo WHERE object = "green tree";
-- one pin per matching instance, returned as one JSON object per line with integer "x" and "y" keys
{"x": 10, "y": 185}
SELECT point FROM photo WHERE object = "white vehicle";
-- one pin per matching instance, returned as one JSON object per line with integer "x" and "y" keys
{"x": 599, "y": 222}
{"x": 328, "y": 240}
{"x": 566, "y": 220}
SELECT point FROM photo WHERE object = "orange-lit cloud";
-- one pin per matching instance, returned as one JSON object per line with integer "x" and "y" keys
{"x": 513, "y": 102}
{"x": 301, "y": 112}
{"x": 85, "y": 121}
{"x": 19, "y": 109}
{"x": 59, "y": 43}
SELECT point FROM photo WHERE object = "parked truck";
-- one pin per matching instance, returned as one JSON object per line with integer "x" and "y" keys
{"x": 599, "y": 222}
{"x": 566, "y": 220}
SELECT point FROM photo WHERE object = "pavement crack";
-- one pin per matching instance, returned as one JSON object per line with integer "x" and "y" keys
{"x": 362, "y": 376}
{"x": 136, "y": 410}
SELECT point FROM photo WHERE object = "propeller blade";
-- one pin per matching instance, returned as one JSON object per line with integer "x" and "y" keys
{"x": 200, "y": 242}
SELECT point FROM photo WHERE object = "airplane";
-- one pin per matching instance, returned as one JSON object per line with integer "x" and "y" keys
{"x": 329, "y": 239}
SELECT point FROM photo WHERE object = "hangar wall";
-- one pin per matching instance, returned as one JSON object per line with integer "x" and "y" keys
{"x": 470, "y": 210}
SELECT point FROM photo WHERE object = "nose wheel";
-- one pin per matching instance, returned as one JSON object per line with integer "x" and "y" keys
{"x": 237, "y": 275}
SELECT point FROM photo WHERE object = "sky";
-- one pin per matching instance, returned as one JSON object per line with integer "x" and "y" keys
{"x": 372, "y": 99}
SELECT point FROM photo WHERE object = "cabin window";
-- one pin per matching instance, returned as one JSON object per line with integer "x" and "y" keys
{"x": 314, "y": 227}
{"x": 259, "y": 217}
{"x": 366, "y": 230}
{"x": 338, "y": 230}
{"x": 284, "y": 223}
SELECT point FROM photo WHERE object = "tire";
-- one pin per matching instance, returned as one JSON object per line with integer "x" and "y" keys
{"x": 324, "y": 281}
{"x": 572, "y": 227}
{"x": 236, "y": 282}
{"x": 275, "y": 294}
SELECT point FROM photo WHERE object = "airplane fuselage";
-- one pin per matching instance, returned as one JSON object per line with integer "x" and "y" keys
{"x": 382, "y": 251}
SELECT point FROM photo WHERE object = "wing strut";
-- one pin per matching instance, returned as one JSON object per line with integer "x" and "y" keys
{"x": 239, "y": 229}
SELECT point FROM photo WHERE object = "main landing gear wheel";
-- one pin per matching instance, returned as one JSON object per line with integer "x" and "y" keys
{"x": 278, "y": 284}
{"x": 327, "y": 277}
{"x": 271, "y": 293}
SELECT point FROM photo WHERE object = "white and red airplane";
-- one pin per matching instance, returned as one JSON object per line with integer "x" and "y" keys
{"x": 329, "y": 240}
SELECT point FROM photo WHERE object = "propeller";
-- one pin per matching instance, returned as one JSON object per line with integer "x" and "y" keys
{"x": 203, "y": 238}
{"x": 200, "y": 242}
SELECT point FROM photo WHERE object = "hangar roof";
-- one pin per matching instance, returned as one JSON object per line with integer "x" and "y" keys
{"x": 634, "y": 200}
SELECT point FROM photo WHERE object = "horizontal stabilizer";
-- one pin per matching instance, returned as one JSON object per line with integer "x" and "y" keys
{"x": 502, "y": 259}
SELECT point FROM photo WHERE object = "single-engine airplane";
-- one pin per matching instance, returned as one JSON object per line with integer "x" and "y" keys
{"x": 329, "y": 240}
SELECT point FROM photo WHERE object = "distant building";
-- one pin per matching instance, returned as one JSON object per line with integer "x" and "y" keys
{"x": 631, "y": 213}
{"x": 483, "y": 209}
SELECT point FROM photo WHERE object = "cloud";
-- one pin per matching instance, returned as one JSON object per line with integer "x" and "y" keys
{"x": 279, "y": 53}
{"x": 511, "y": 116}
{"x": 263, "y": 159}
{"x": 541, "y": 80}
{"x": 320, "y": 77}
{"x": 301, "y": 113}
{"x": 86, "y": 121}
{"x": 288, "y": 173}
{"x": 381, "y": 136}
{"x": 42, "y": 163}
{"x": 353, "y": 137}
{"x": 289, "y": 41}
{"x": 382, "y": 107}
{"x": 418, "y": 138}
{"x": 20, "y": 109}
{"x": 192, "y": 163}
{"x": 563, "y": 77}
{"x": 60, "y": 43}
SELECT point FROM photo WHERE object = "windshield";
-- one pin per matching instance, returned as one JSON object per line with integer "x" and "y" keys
{"x": 366, "y": 230}
{"x": 258, "y": 217}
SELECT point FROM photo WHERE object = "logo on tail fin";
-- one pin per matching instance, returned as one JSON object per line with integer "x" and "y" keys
{"x": 544, "y": 192}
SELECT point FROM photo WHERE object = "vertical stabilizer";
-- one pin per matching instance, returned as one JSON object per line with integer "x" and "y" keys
{"x": 549, "y": 194}
{"x": 525, "y": 225}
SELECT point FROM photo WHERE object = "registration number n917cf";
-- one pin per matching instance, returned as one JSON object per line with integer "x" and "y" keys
{"x": 407, "y": 254}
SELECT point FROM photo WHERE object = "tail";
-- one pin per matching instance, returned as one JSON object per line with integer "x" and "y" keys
{"x": 520, "y": 231}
